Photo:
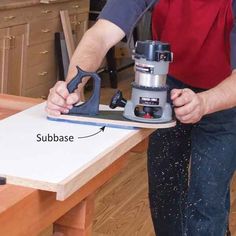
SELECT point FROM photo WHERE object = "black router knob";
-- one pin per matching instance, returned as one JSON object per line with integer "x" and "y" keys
{"x": 3, "y": 180}
{"x": 117, "y": 100}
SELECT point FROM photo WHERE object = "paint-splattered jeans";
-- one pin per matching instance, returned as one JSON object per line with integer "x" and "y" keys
{"x": 199, "y": 205}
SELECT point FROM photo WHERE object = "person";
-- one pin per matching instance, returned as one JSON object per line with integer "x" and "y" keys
{"x": 202, "y": 81}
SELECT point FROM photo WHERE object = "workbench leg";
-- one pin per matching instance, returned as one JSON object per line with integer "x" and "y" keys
{"x": 141, "y": 147}
{"x": 78, "y": 221}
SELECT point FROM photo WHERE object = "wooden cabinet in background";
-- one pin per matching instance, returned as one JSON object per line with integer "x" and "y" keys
{"x": 12, "y": 58}
{"x": 27, "y": 57}
{"x": 14, "y": 61}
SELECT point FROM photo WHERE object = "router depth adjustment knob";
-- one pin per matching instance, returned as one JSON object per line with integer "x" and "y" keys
{"x": 117, "y": 100}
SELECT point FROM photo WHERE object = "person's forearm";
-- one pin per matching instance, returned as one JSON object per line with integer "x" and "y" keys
{"x": 88, "y": 55}
{"x": 221, "y": 97}
{"x": 94, "y": 46}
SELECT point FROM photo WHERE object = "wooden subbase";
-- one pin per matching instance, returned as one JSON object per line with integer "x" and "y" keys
{"x": 111, "y": 118}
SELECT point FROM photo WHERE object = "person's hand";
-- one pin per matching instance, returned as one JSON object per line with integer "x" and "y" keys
{"x": 189, "y": 106}
{"x": 59, "y": 100}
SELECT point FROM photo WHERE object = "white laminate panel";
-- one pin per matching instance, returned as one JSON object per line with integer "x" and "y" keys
{"x": 24, "y": 161}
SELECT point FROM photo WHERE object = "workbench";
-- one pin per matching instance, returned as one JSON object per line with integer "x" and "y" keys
{"x": 26, "y": 211}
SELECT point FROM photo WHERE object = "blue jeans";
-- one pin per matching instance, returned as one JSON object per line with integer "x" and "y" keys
{"x": 195, "y": 205}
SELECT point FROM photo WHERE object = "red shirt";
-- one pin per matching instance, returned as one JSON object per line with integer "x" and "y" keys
{"x": 199, "y": 35}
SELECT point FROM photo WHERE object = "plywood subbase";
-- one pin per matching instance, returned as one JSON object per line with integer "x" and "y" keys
{"x": 111, "y": 118}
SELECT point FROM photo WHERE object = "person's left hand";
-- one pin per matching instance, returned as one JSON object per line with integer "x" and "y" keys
{"x": 189, "y": 106}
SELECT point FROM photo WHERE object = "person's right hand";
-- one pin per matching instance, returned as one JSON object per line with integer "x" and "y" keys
{"x": 59, "y": 100}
